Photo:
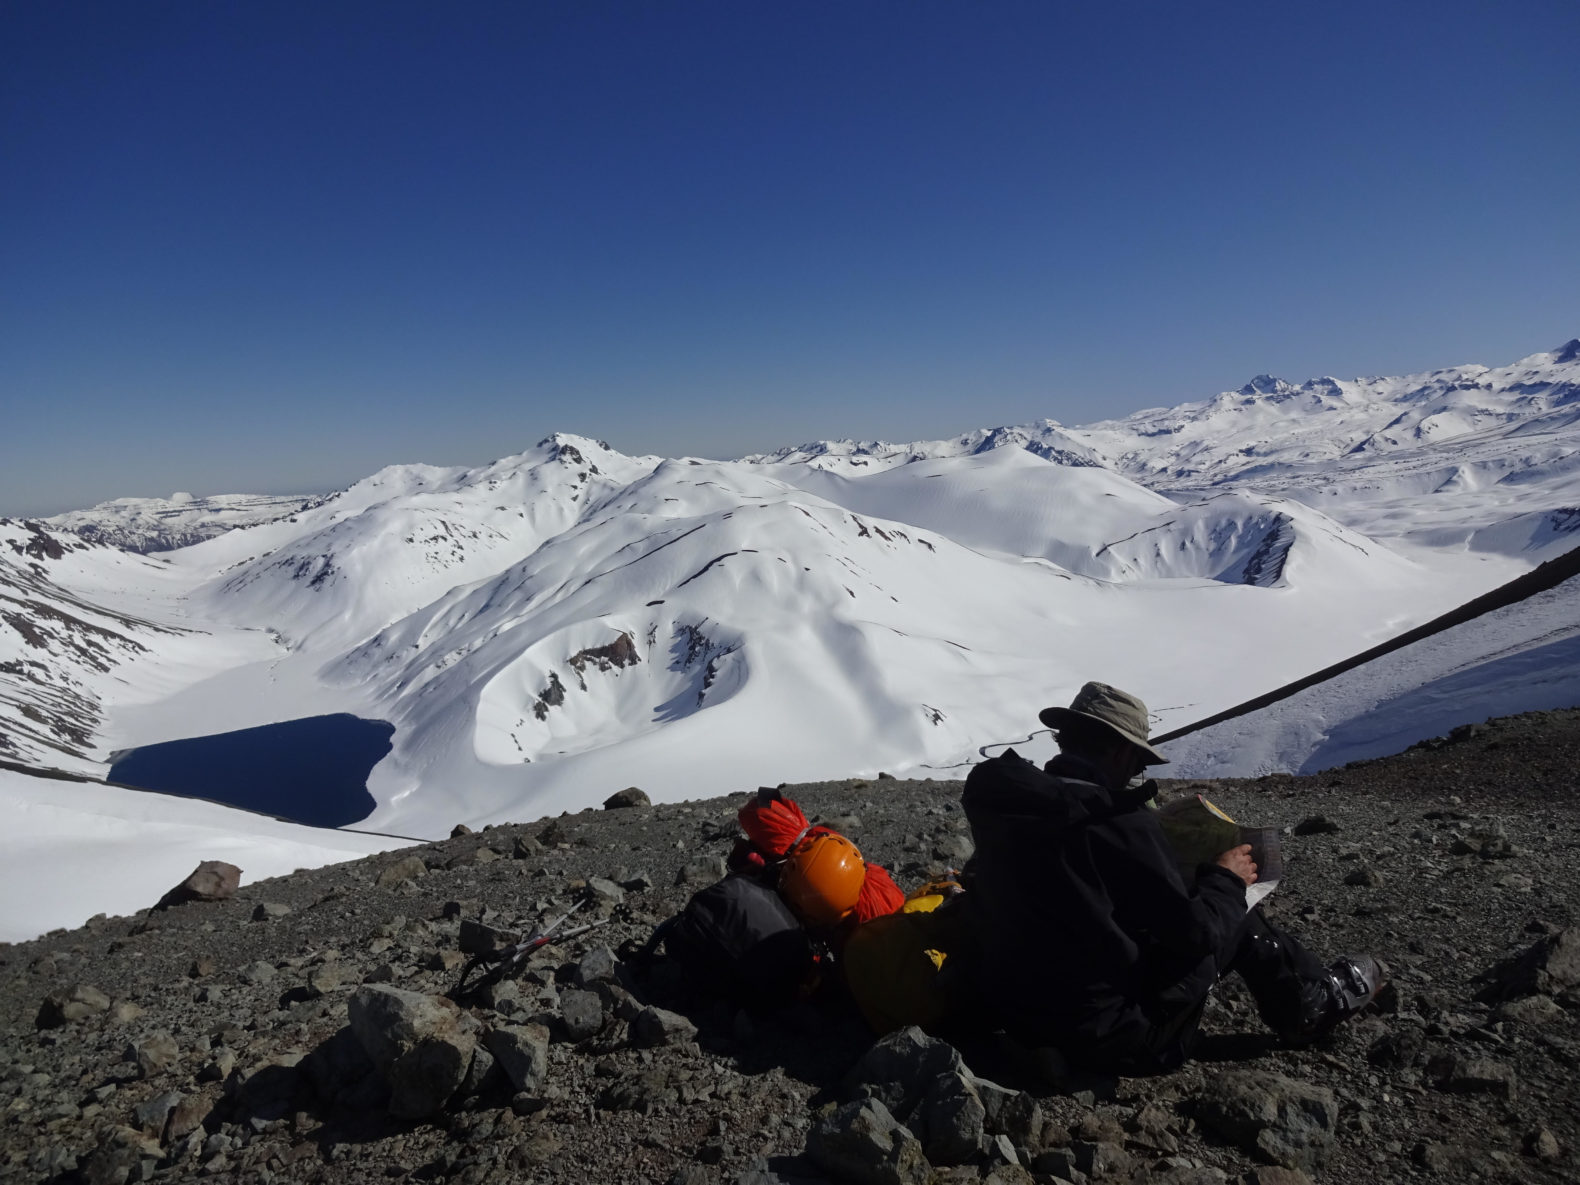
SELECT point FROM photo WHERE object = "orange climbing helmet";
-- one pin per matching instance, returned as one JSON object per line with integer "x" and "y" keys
{"x": 822, "y": 877}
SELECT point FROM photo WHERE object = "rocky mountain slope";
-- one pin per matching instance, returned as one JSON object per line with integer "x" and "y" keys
{"x": 242, "y": 1040}
{"x": 162, "y": 524}
{"x": 59, "y": 647}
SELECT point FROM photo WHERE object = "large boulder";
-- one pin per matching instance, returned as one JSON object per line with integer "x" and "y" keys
{"x": 900, "y": 1067}
{"x": 582, "y": 1013}
{"x": 952, "y": 1121}
{"x": 624, "y": 799}
{"x": 1286, "y": 1122}
{"x": 522, "y": 1051}
{"x": 863, "y": 1142}
{"x": 659, "y": 1026}
{"x": 407, "y": 868}
{"x": 212, "y": 880}
{"x": 1550, "y": 967}
{"x": 418, "y": 1042}
{"x": 70, "y": 1004}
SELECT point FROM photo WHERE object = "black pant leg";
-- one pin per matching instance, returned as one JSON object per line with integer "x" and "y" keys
{"x": 1287, "y": 981}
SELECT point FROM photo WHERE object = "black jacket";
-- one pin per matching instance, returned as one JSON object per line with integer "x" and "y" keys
{"x": 1090, "y": 939}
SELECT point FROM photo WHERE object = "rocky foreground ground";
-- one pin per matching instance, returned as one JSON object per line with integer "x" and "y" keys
{"x": 300, "y": 1031}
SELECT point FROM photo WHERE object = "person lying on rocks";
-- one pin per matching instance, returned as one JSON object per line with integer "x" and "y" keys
{"x": 1092, "y": 944}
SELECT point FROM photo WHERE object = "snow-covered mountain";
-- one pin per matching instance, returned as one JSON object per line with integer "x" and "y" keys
{"x": 161, "y": 524}
{"x": 567, "y": 621}
{"x": 1435, "y": 458}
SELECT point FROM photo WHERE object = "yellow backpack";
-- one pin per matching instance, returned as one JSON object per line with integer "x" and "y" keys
{"x": 894, "y": 964}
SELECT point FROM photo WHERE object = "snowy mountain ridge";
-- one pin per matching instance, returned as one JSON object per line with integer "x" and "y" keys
{"x": 1358, "y": 449}
{"x": 160, "y": 524}
{"x": 553, "y": 626}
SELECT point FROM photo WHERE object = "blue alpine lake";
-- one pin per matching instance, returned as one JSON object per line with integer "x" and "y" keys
{"x": 312, "y": 771}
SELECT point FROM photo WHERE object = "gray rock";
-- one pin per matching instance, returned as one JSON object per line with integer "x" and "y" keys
{"x": 408, "y": 868}
{"x": 658, "y": 1026}
{"x": 582, "y": 1012}
{"x": 1445, "y": 1159}
{"x": 701, "y": 870}
{"x": 212, "y": 880}
{"x": 1101, "y": 1158}
{"x": 1013, "y": 1113}
{"x": 954, "y": 849}
{"x": 523, "y": 1053}
{"x": 423, "y": 1079}
{"x": 1542, "y": 1144}
{"x": 1286, "y": 1122}
{"x": 120, "y": 1152}
{"x": 951, "y": 1121}
{"x": 1480, "y": 1075}
{"x": 644, "y": 1092}
{"x": 863, "y": 1142}
{"x": 269, "y": 1089}
{"x": 417, "y": 1042}
{"x": 477, "y": 939}
{"x": 597, "y": 964}
{"x": 1550, "y": 966}
{"x": 218, "y": 1067}
{"x": 1535, "y": 1011}
{"x": 900, "y": 1066}
{"x": 188, "y": 1116}
{"x": 1055, "y": 1162}
{"x": 257, "y": 973}
{"x": 1365, "y": 877}
{"x": 152, "y": 1114}
{"x": 153, "y": 1053}
{"x": 70, "y": 1004}
{"x": 478, "y": 1073}
{"x": 269, "y": 910}
{"x": 1401, "y": 1046}
{"x": 1316, "y": 825}
{"x": 1009, "y": 1174}
{"x": 631, "y": 796}
{"x": 326, "y": 977}
{"x": 605, "y": 892}
{"x": 525, "y": 848}
{"x": 1490, "y": 843}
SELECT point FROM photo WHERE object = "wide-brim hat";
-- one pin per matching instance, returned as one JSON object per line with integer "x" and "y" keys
{"x": 1118, "y": 711}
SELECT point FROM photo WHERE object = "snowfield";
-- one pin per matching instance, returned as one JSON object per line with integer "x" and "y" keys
{"x": 74, "y": 849}
{"x": 559, "y": 624}
{"x": 1522, "y": 658}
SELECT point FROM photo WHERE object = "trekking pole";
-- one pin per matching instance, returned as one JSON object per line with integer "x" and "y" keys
{"x": 506, "y": 960}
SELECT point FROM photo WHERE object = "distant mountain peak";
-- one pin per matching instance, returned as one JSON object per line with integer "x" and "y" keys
{"x": 1266, "y": 384}
{"x": 1568, "y": 352}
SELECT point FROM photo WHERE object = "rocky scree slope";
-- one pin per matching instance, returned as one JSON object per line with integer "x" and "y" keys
{"x": 298, "y": 1032}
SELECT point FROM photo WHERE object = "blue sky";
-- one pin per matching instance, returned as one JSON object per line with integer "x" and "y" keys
{"x": 271, "y": 247}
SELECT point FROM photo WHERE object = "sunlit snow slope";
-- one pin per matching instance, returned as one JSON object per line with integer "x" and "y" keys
{"x": 1522, "y": 658}
{"x": 567, "y": 621}
{"x": 71, "y": 849}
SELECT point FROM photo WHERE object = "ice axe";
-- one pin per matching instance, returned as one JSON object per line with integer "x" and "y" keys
{"x": 503, "y": 962}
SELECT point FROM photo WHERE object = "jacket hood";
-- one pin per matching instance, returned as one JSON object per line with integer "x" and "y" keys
{"x": 1009, "y": 786}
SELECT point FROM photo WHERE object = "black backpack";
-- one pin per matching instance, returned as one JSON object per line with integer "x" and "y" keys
{"x": 739, "y": 939}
